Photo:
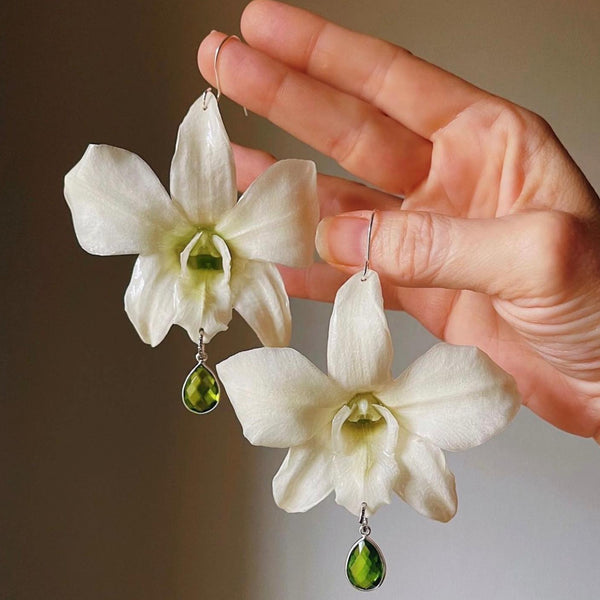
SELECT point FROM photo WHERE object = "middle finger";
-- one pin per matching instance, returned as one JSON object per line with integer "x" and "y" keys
{"x": 357, "y": 135}
{"x": 336, "y": 195}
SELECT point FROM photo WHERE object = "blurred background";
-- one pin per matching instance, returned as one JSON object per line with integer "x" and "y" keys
{"x": 111, "y": 490}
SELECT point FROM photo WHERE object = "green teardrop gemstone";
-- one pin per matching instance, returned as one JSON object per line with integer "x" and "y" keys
{"x": 201, "y": 392}
{"x": 365, "y": 566}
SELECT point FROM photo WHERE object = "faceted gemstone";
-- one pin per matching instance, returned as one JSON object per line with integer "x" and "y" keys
{"x": 365, "y": 567}
{"x": 200, "y": 392}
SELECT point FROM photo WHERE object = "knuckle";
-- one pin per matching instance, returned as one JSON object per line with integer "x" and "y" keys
{"x": 418, "y": 253}
{"x": 374, "y": 83}
{"x": 313, "y": 57}
{"x": 272, "y": 93}
{"x": 526, "y": 129}
{"x": 345, "y": 146}
{"x": 557, "y": 238}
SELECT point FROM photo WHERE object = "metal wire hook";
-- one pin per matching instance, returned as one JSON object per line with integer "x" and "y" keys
{"x": 368, "y": 253}
{"x": 215, "y": 67}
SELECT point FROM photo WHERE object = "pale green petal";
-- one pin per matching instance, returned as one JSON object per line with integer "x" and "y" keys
{"x": 280, "y": 398}
{"x": 304, "y": 478}
{"x": 425, "y": 482}
{"x": 364, "y": 460}
{"x": 203, "y": 171}
{"x": 260, "y": 297}
{"x": 204, "y": 297}
{"x": 359, "y": 349}
{"x": 118, "y": 204}
{"x": 276, "y": 218}
{"x": 455, "y": 396}
{"x": 150, "y": 297}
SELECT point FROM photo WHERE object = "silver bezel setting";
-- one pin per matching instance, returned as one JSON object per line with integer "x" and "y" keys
{"x": 200, "y": 363}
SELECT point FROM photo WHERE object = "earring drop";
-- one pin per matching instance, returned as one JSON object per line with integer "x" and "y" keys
{"x": 365, "y": 565}
{"x": 201, "y": 390}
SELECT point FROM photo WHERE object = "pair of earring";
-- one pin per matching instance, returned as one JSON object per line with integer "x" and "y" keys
{"x": 202, "y": 253}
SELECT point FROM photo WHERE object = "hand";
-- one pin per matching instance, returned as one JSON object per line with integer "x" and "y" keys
{"x": 497, "y": 240}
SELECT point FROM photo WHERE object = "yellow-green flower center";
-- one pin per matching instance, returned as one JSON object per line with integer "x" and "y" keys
{"x": 204, "y": 255}
{"x": 362, "y": 408}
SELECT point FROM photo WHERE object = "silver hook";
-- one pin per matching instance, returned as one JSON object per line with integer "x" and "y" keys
{"x": 215, "y": 62}
{"x": 368, "y": 258}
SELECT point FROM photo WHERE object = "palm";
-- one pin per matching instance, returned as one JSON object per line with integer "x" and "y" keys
{"x": 467, "y": 161}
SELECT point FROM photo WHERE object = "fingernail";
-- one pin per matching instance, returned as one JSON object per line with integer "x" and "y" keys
{"x": 342, "y": 240}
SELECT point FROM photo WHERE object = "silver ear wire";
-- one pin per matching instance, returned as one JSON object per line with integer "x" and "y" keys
{"x": 368, "y": 253}
{"x": 215, "y": 65}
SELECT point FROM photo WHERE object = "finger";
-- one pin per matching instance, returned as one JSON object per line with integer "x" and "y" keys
{"x": 336, "y": 195}
{"x": 422, "y": 96}
{"x": 525, "y": 255}
{"x": 249, "y": 164}
{"x": 359, "y": 137}
{"x": 321, "y": 282}
{"x": 318, "y": 282}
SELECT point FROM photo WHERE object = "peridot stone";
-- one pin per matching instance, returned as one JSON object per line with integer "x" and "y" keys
{"x": 365, "y": 566}
{"x": 200, "y": 392}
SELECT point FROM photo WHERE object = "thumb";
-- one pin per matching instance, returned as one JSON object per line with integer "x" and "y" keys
{"x": 525, "y": 254}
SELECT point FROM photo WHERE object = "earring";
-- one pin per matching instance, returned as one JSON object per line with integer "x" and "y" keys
{"x": 359, "y": 432}
{"x": 201, "y": 390}
{"x": 202, "y": 251}
{"x": 365, "y": 565}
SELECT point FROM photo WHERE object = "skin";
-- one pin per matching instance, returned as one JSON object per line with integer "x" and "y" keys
{"x": 495, "y": 240}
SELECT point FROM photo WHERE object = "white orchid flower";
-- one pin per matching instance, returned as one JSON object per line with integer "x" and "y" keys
{"x": 201, "y": 253}
{"x": 358, "y": 431}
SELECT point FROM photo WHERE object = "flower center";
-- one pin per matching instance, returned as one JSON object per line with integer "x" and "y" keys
{"x": 362, "y": 408}
{"x": 204, "y": 255}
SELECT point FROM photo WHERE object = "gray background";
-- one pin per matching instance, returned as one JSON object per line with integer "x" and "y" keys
{"x": 111, "y": 490}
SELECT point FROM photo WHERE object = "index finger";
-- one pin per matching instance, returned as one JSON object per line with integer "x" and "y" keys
{"x": 420, "y": 95}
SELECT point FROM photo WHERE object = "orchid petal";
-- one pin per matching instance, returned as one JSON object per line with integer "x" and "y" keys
{"x": 280, "y": 398}
{"x": 276, "y": 218}
{"x": 150, "y": 297}
{"x": 304, "y": 478}
{"x": 364, "y": 460}
{"x": 425, "y": 482}
{"x": 259, "y": 296}
{"x": 118, "y": 204}
{"x": 455, "y": 396}
{"x": 203, "y": 296}
{"x": 203, "y": 171}
{"x": 359, "y": 350}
